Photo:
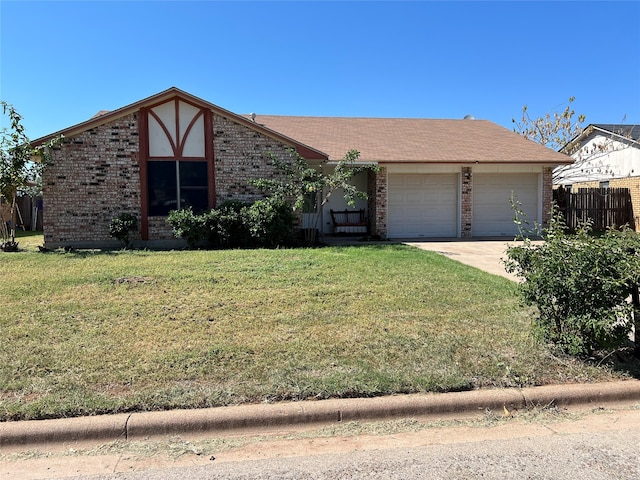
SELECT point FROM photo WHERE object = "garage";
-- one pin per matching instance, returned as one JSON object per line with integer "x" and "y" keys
{"x": 492, "y": 212}
{"x": 422, "y": 205}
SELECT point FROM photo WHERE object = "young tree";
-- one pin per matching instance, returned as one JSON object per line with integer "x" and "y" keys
{"x": 17, "y": 168}
{"x": 551, "y": 130}
{"x": 298, "y": 181}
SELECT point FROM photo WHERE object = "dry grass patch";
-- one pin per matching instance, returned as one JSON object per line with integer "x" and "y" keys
{"x": 92, "y": 332}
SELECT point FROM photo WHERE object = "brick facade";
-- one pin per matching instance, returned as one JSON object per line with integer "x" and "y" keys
{"x": 467, "y": 202}
{"x": 98, "y": 172}
{"x": 95, "y": 175}
{"x": 91, "y": 178}
{"x": 377, "y": 204}
{"x": 239, "y": 156}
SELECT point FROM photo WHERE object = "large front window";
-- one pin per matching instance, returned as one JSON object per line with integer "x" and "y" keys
{"x": 176, "y": 160}
{"x": 172, "y": 185}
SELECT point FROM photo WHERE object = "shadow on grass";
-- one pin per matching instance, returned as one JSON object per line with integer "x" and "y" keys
{"x": 28, "y": 233}
{"x": 622, "y": 360}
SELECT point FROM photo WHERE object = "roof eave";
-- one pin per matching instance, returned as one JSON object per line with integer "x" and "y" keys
{"x": 305, "y": 151}
{"x": 478, "y": 162}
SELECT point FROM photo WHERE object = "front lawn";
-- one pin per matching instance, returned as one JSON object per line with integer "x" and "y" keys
{"x": 98, "y": 332}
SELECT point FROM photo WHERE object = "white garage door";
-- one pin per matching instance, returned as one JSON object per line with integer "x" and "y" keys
{"x": 422, "y": 206}
{"x": 492, "y": 212}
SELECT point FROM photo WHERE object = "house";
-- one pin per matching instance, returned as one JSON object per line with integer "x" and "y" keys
{"x": 605, "y": 155}
{"x": 436, "y": 178}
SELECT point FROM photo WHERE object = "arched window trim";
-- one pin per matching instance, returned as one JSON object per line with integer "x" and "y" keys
{"x": 178, "y": 150}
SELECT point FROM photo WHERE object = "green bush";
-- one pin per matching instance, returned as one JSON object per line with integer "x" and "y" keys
{"x": 227, "y": 226}
{"x": 188, "y": 225}
{"x": 121, "y": 226}
{"x": 270, "y": 222}
{"x": 265, "y": 223}
{"x": 580, "y": 284}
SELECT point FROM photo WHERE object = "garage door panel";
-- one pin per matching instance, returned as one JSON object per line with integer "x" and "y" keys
{"x": 492, "y": 210}
{"x": 423, "y": 205}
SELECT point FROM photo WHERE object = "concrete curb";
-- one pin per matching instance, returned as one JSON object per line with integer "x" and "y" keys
{"x": 141, "y": 426}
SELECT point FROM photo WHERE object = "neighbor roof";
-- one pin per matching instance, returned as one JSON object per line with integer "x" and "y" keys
{"x": 628, "y": 131}
{"x": 619, "y": 130}
{"x": 409, "y": 140}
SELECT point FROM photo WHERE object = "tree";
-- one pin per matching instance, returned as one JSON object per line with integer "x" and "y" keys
{"x": 299, "y": 182}
{"x": 560, "y": 131}
{"x": 580, "y": 284}
{"x": 551, "y": 130}
{"x": 17, "y": 168}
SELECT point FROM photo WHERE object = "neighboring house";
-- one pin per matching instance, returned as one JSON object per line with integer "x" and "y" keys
{"x": 436, "y": 178}
{"x": 605, "y": 155}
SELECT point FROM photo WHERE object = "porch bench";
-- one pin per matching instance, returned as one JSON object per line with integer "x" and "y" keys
{"x": 349, "y": 221}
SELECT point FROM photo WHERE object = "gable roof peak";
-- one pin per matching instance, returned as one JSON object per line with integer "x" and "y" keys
{"x": 105, "y": 116}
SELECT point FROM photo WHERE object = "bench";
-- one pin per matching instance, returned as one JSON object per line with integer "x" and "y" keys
{"x": 349, "y": 221}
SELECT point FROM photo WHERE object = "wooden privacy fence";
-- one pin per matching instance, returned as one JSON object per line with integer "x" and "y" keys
{"x": 606, "y": 207}
{"x": 28, "y": 212}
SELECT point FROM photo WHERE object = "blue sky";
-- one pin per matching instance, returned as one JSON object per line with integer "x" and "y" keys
{"x": 61, "y": 62}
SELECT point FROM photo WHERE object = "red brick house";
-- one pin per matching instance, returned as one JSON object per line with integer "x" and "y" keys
{"x": 437, "y": 178}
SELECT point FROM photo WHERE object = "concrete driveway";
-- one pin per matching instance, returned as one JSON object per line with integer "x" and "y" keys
{"x": 486, "y": 255}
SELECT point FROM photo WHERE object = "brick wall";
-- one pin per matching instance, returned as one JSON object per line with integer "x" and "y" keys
{"x": 576, "y": 186}
{"x": 633, "y": 184}
{"x": 377, "y": 191}
{"x": 91, "y": 178}
{"x": 95, "y": 175}
{"x": 240, "y": 156}
{"x": 467, "y": 202}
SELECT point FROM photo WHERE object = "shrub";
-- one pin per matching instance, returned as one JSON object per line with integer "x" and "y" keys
{"x": 270, "y": 222}
{"x": 121, "y": 226}
{"x": 266, "y": 223}
{"x": 580, "y": 284}
{"x": 226, "y": 225}
{"x": 188, "y": 225}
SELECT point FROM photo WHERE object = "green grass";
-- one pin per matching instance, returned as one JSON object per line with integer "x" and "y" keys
{"x": 98, "y": 332}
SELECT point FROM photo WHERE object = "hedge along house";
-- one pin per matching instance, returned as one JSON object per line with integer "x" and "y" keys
{"x": 437, "y": 178}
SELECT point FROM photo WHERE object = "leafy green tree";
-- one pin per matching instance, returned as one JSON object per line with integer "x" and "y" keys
{"x": 298, "y": 181}
{"x": 17, "y": 167}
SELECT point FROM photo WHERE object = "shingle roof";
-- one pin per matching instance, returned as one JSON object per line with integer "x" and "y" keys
{"x": 383, "y": 140}
{"x": 104, "y": 116}
{"x": 400, "y": 140}
{"x": 629, "y": 131}
{"x": 622, "y": 131}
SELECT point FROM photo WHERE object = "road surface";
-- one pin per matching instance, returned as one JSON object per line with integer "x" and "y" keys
{"x": 593, "y": 445}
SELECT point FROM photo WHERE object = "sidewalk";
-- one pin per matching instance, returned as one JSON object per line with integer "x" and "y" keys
{"x": 243, "y": 419}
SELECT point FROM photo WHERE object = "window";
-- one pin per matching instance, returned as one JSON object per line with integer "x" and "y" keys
{"x": 176, "y": 159}
{"x": 177, "y": 184}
